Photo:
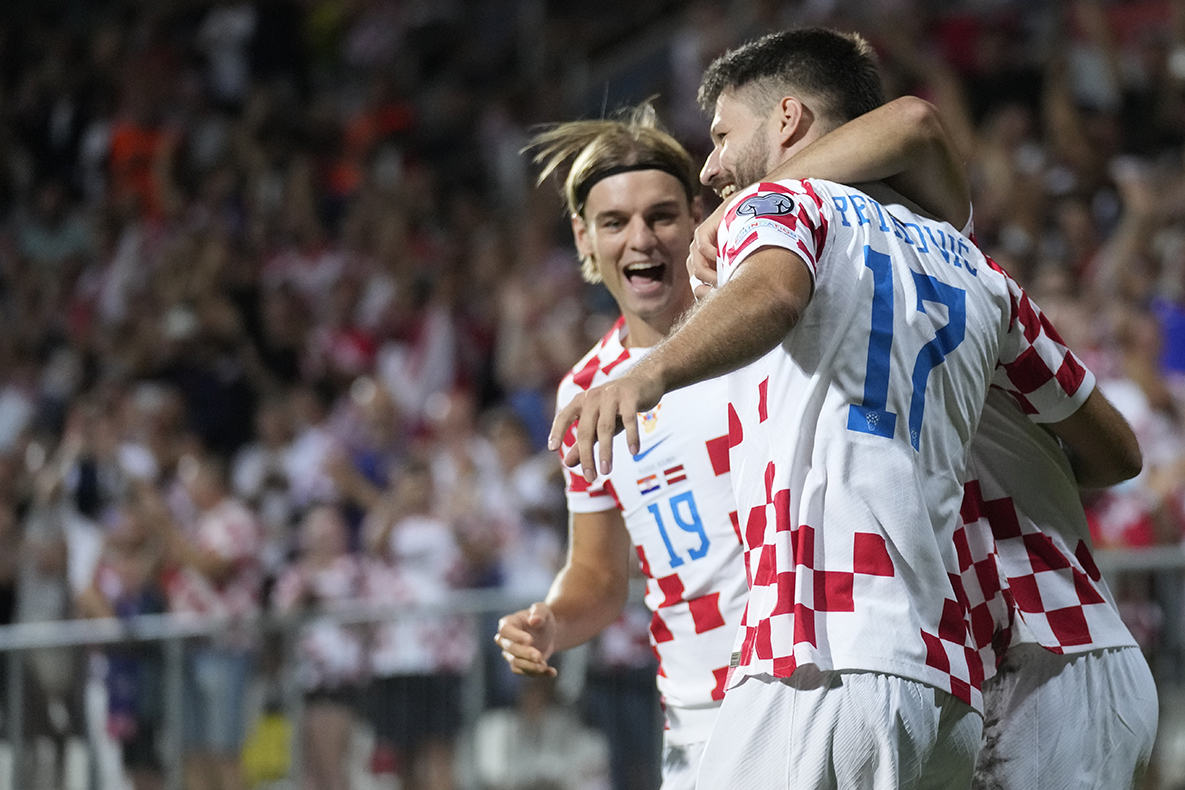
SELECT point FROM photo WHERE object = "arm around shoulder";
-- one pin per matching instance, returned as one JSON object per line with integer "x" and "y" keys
{"x": 904, "y": 143}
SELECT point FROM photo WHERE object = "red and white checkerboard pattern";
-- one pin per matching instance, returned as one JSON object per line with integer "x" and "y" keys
{"x": 1037, "y": 369}
{"x": 330, "y": 655}
{"x": 231, "y": 531}
{"x": 695, "y": 586}
{"x": 793, "y": 408}
{"x": 1021, "y": 498}
{"x": 988, "y": 602}
{"x": 1057, "y": 591}
{"x": 806, "y": 591}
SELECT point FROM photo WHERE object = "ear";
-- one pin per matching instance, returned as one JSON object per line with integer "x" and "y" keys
{"x": 697, "y": 209}
{"x": 791, "y": 119}
{"x": 580, "y": 232}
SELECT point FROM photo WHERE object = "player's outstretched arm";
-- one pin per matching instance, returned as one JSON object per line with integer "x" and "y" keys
{"x": 588, "y": 594}
{"x": 738, "y": 324}
{"x": 1102, "y": 447}
{"x": 903, "y": 143}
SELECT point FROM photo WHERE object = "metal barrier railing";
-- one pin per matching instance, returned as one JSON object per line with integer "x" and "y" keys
{"x": 173, "y": 629}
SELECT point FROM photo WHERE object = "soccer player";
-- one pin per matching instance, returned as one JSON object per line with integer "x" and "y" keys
{"x": 1069, "y": 700}
{"x": 632, "y": 193}
{"x": 1024, "y": 549}
{"x": 855, "y": 668}
{"x": 631, "y": 197}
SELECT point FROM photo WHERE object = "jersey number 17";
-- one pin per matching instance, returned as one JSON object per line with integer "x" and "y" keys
{"x": 872, "y": 415}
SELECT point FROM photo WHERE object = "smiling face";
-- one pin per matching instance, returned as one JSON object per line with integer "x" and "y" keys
{"x": 743, "y": 144}
{"x": 637, "y": 227}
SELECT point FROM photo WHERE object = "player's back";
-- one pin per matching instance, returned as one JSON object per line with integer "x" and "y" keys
{"x": 855, "y": 431}
{"x": 906, "y": 322}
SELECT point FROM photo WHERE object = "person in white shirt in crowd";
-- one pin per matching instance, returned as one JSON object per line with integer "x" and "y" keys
{"x": 531, "y": 480}
{"x": 259, "y": 476}
{"x": 215, "y": 570}
{"x": 469, "y": 487}
{"x": 539, "y": 745}
{"x": 331, "y": 661}
{"x": 416, "y": 660}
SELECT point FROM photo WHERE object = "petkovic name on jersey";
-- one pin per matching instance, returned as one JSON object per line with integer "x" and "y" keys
{"x": 928, "y": 237}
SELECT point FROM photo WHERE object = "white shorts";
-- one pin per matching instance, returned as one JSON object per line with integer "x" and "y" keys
{"x": 680, "y": 764}
{"x": 1058, "y": 722}
{"x": 683, "y": 744}
{"x": 830, "y": 730}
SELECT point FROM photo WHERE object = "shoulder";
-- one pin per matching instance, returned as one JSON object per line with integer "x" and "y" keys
{"x": 776, "y": 199}
{"x": 591, "y": 366}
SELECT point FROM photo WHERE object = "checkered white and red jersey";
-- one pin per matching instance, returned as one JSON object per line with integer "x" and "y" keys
{"x": 1024, "y": 546}
{"x": 231, "y": 531}
{"x": 329, "y": 655}
{"x": 849, "y": 439}
{"x": 678, "y": 506}
{"x": 418, "y": 566}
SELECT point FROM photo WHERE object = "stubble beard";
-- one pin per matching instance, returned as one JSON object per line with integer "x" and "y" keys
{"x": 753, "y": 162}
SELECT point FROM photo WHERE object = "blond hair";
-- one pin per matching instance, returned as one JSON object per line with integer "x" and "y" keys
{"x": 596, "y": 149}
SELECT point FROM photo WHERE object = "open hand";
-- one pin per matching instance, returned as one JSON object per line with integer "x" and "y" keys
{"x": 599, "y": 415}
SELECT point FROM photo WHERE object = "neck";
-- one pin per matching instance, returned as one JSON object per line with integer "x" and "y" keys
{"x": 810, "y": 129}
{"x": 649, "y": 332}
{"x": 643, "y": 334}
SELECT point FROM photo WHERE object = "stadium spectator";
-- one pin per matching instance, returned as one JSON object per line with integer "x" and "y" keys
{"x": 331, "y": 658}
{"x": 416, "y": 659}
{"x": 54, "y": 686}
{"x": 534, "y": 549}
{"x": 214, "y": 570}
{"x": 127, "y": 583}
{"x": 538, "y": 745}
{"x": 259, "y": 477}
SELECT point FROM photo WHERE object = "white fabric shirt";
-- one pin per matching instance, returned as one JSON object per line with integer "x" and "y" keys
{"x": 678, "y": 506}
{"x": 421, "y": 558}
{"x": 330, "y": 655}
{"x": 849, "y": 439}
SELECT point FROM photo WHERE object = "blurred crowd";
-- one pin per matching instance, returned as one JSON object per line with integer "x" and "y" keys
{"x": 282, "y": 314}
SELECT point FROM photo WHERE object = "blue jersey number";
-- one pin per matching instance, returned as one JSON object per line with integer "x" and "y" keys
{"x": 872, "y": 416}
{"x": 686, "y": 517}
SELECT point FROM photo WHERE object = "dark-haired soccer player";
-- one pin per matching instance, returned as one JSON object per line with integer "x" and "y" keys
{"x": 874, "y": 333}
{"x": 630, "y": 190}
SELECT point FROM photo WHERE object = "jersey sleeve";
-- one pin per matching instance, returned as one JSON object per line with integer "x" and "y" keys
{"x": 786, "y": 214}
{"x": 1046, "y": 379}
{"x": 582, "y": 496}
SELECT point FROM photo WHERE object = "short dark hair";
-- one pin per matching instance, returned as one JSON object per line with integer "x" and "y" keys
{"x": 839, "y": 69}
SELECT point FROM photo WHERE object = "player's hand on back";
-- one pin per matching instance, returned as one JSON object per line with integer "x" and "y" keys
{"x": 527, "y": 639}
{"x": 599, "y": 415}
